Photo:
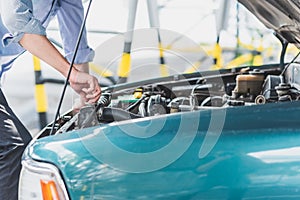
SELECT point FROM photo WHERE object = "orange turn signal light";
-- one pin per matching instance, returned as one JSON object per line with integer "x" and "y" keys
{"x": 49, "y": 190}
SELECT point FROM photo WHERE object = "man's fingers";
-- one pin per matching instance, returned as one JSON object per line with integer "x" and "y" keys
{"x": 91, "y": 87}
{"x": 83, "y": 96}
{"x": 93, "y": 100}
{"x": 92, "y": 96}
{"x": 88, "y": 88}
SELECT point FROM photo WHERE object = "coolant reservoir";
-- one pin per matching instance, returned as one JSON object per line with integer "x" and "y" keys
{"x": 249, "y": 84}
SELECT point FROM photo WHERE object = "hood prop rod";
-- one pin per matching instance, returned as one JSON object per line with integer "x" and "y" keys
{"x": 284, "y": 45}
{"x": 70, "y": 68}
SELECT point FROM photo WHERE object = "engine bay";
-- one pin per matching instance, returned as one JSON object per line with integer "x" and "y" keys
{"x": 246, "y": 86}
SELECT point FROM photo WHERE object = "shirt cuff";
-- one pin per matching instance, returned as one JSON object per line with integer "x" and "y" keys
{"x": 34, "y": 26}
{"x": 82, "y": 56}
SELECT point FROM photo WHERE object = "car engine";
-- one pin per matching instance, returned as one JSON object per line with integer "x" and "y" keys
{"x": 246, "y": 86}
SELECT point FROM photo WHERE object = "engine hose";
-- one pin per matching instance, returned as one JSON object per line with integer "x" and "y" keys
{"x": 103, "y": 101}
{"x": 116, "y": 114}
{"x": 136, "y": 103}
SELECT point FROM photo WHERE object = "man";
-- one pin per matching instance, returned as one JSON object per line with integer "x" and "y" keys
{"x": 24, "y": 29}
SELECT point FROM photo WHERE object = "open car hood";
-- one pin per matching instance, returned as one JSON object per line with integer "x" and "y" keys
{"x": 283, "y": 16}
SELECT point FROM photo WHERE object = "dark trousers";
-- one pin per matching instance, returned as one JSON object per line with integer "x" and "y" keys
{"x": 13, "y": 139}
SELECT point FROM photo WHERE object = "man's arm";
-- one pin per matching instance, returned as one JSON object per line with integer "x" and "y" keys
{"x": 29, "y": 32}
{"x": 84, "y": 84}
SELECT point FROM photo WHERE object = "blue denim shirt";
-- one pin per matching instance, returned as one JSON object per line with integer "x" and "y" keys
{"x": 33, "y": 16}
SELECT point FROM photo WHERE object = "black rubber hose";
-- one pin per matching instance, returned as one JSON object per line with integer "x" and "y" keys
{"x": 116, "y": 114}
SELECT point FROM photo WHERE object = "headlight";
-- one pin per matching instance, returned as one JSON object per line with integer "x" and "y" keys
{"x": 41, "y": 181}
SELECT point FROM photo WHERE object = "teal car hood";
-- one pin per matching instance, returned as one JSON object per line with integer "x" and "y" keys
{"x": 250, "y": 158}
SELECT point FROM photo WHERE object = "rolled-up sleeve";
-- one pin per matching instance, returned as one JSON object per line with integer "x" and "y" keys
{"x": 18, "y": 18}
{"x": 70, "y": 16}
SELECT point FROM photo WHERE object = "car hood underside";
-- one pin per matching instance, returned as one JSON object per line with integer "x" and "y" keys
{"x": 280, "y": 15}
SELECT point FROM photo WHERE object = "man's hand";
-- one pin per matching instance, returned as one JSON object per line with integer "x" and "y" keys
{"x": 85, "y": 85}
